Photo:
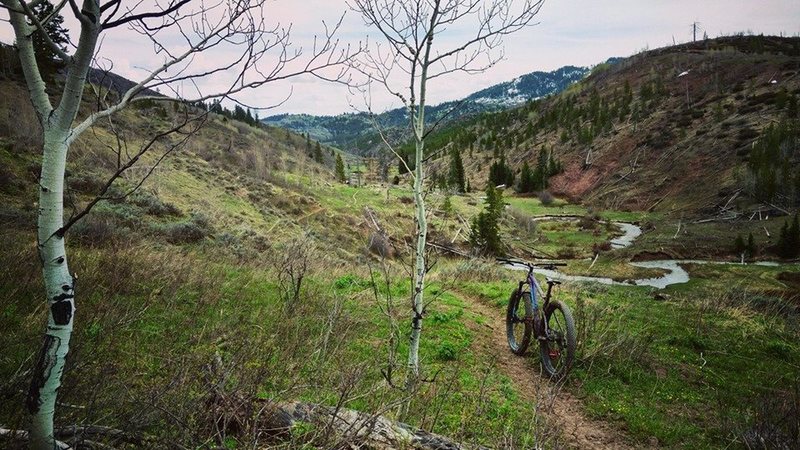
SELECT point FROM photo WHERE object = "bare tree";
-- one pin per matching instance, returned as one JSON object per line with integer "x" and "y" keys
{"x": 407, "y": 59}
{"x": 247, "y": 53}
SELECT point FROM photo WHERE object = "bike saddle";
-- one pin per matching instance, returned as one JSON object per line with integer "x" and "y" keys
{"x": 553, "y": 282}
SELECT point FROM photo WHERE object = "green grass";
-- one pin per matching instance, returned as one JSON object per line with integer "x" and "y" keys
{"x": 608, "y": 265}
{"x": 534, "y": 207}
{"x": 691, "y": 372}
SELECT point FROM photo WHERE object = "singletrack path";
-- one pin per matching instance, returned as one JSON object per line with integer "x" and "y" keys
{"x": 561, "y": 407}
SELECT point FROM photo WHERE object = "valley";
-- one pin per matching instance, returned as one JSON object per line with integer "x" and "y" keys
{"x": 243, "y": 271}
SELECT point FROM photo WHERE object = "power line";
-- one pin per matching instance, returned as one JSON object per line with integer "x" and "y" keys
{"x": 695, "y": 28}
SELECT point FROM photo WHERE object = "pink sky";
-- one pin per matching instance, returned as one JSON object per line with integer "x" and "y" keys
{"x": 570, "y": 32}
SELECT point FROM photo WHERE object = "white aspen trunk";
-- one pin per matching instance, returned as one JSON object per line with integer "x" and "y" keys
{"x": 419, "y": 270}
{"x": 418, "y": 123}
{"x": 60, "y": 291}
{"x": 58, "y": 282}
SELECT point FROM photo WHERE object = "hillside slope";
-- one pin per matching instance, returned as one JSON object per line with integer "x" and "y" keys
{"x": 670, "y": 129}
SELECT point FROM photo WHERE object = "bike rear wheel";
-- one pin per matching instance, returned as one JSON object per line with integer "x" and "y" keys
{"x": 518, "y": 322}
{"x": 558, "y": 349}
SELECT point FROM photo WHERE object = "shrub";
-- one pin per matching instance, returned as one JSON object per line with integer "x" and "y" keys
{"x": 447, "y": 351}
{"x": 195, "y": 229}
{"x": 589, "y": 221}
{"x": 8, "y": 181}
{"x": 601, "y": 247}
{"x": 154, "y": 206}
{"x": 523, "y": 221}
{"x": 293, "y": 266}
{"x": 88, "y": 183}
{"x": 96, "y": 230}
{"x": 567, "y": 252}
{"x": 546, "y": 198}
{"x": 447, "y": 206}
{"x": 379, "y": 245}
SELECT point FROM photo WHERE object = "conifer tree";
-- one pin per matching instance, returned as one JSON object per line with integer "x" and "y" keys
{"x": 525, "y": 179}
{"x": 456, "y": 175}
{"x": 752, "y": 250}
{"x": 485, "y": 233}
{"x": 739, "y": 245}
{"x": 46, "y": 57}
{"x": 788, "y": 245}
{"x": 340, "y": 168}
{"x": 793, "y": 238}
{"x": 318, "y": 153}
{"x": 447, "y": 206}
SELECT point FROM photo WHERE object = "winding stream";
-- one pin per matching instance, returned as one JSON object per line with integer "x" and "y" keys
{"x": 675, "y": 273}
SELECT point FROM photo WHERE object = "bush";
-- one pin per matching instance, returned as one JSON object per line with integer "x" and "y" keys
{"x": 589, "y": 222}
{"x": 598, "y": 247}
{"x": 88, "y": 183}
{"x": 97, "y": 230}
{"x": 8, "y": 181}
{"x": 379, "y": 245}
{"x": 447, "y": 351}
{"x": 197, "y": 228}
{"x": 567, "y": 252}
{"x": 15, "y": 217}
{"x": 546, "y": 198}
{"x": 523, "y": 221}
{"x": 154, "y": 206}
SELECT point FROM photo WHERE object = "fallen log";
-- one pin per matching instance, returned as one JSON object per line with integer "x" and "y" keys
{"x": 358, "y": 429}
{"x": 448, "y": 249}
{"x": 21, "y": 436}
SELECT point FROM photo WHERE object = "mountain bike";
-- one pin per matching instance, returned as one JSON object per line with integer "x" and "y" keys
{"x": 550, "y": 322}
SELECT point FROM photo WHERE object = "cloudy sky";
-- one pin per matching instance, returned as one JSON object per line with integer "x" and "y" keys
{"x": 569, "y": 32}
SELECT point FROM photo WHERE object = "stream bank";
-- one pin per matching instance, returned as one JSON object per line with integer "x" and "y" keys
{"x": 675, "y": 273}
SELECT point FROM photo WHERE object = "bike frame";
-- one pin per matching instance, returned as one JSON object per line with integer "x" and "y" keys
{"x": 536, "y": 290}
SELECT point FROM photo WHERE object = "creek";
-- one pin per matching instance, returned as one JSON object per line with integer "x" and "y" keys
{"x": 673, "y": 268}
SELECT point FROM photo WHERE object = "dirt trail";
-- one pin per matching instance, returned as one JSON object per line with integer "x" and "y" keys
{"x": 578, "y": 430}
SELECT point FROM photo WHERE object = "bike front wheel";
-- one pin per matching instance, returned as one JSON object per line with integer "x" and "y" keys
{"x": 558, "y": 347}
{"x": 518, "y": 322}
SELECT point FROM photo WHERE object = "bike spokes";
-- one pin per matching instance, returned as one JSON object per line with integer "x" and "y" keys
{"x": 558, "y": 349}
{"x": 518, "y": 328}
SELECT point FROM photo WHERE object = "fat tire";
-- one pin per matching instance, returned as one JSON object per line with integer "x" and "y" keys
{"x": 518, "y": 348}
{"x": 558, "y": 373}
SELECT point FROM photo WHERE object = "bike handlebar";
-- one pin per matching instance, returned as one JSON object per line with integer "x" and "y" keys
{"x": 549, "y": 265}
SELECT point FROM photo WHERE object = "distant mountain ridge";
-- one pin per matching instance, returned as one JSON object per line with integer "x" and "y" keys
{"x": 355, "y": 131}
{"x": 528, "y": 87}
